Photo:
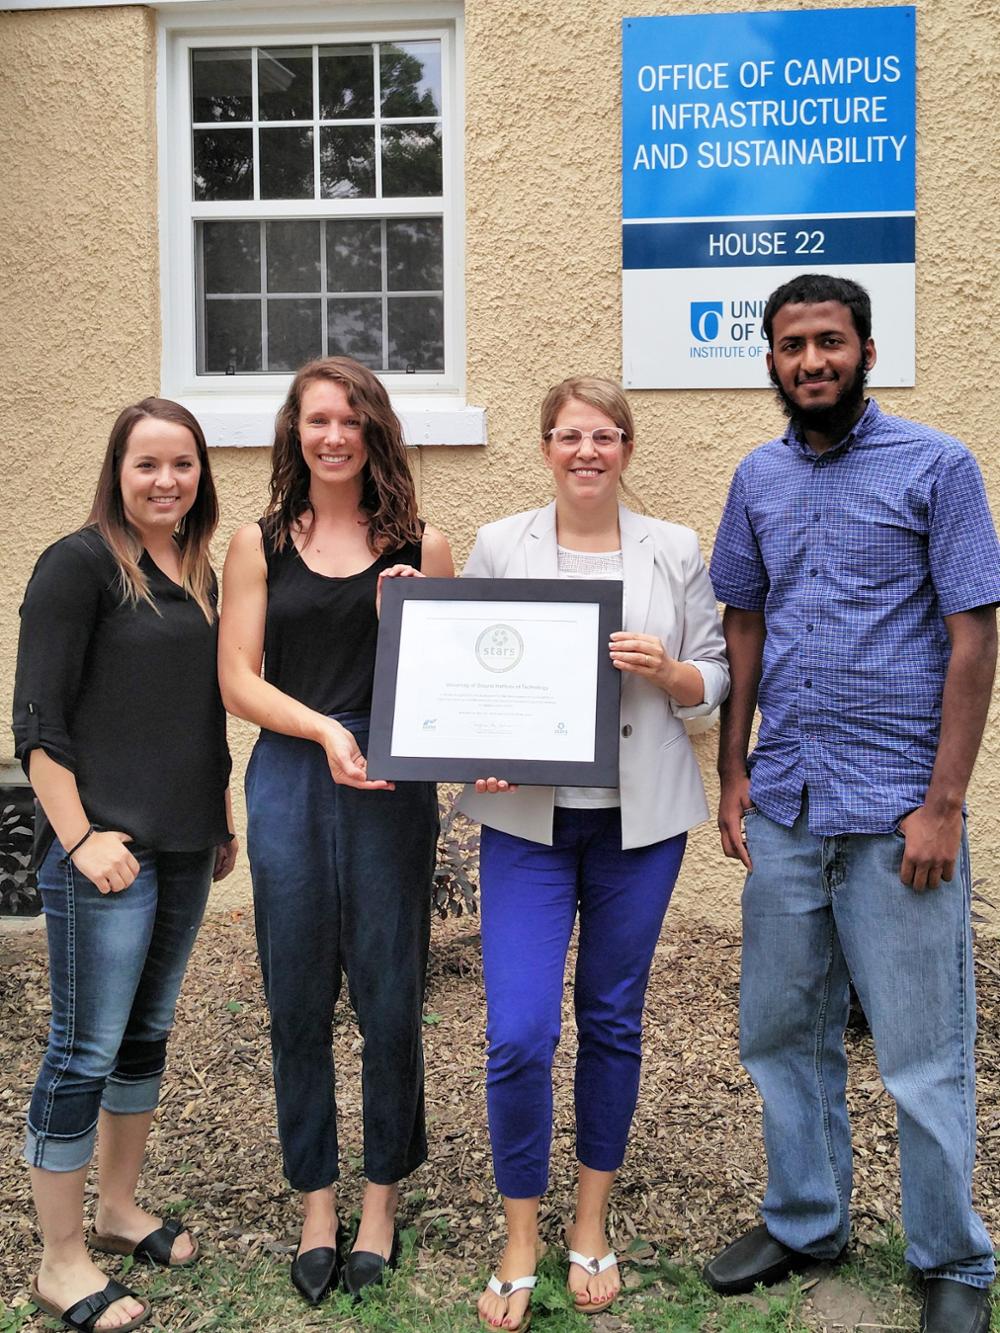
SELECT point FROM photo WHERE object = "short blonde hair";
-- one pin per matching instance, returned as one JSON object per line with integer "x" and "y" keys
{"x": 607, "y": 396}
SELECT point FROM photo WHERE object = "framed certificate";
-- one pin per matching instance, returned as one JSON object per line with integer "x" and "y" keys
{"x": 505, "y": 678}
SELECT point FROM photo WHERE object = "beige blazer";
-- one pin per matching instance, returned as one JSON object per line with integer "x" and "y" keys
{"x": 667, "y": 593}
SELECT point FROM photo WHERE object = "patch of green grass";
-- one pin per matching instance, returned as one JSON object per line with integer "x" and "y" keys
{"x": 228, "y": 1293}
{"x": 224, "y": 1294}
{"x": 676, "y": 1299}
{"x": 14, "y": 1318}
{"x": 178, "y": 1207}
{"x": 882, "y": 1261}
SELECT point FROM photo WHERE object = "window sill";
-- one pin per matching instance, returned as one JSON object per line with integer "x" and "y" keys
{"x": 244, "y": 423}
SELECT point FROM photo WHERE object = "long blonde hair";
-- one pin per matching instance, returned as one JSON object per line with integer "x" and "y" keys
{"x": 194, "y": 532}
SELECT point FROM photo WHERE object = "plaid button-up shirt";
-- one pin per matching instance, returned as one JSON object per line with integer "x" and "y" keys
{"x": 855, "y": 556}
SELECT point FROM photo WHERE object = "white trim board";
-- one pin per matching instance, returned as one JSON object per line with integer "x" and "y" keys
{"x": 242, "y": 424}
{"x": 190, "y": 5}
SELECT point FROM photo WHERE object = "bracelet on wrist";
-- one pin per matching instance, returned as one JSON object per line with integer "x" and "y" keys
{"x": 77, "y": 845}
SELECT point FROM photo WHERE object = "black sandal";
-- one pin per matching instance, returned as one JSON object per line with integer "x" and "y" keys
{"x": 152, "y": 1249}
{"x": 85, "y": 1314}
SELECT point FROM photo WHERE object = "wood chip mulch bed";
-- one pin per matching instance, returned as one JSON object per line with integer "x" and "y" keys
{"x": 692, "y": 1178}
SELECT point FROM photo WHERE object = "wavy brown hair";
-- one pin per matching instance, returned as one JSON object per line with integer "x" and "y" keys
{"x": 194, "y": 531}
{"x": 388, "y": 498}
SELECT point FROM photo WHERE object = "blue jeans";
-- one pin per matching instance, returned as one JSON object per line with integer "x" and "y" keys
{"x": 530, "y": 896}
{"x": 341, "y": 879}
{"x": 116, "y": 963}
{"x": 816, "y": 912}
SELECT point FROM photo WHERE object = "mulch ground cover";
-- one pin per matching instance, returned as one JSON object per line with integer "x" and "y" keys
{"x": 694, "y": 1171}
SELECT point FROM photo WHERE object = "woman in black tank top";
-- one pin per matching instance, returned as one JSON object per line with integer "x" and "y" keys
{"x": 342, "y": 867}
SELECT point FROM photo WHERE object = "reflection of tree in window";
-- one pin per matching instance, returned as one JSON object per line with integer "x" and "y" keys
{"x": 354, "y": 256}
{"x": 416, "y": 333}
{"x": 347, "y": 162}
{"x": 355, "y": 329}
{"x": 294, "y": 333}
{"x": 293, "y": 253}
{"x": 415, "y": 260}
{"x": 286, "y": 164}
{"x": 221, "y": 86}
{"x": 346, "y": 82}
{"x": 411, "y": 160}
{"x": 232, "y": 337}
{"x": 223, "y": 164}
{"x": 231, "y": 256}
{"x": 284, "y": 84}
{"x": 409, "y": 83}
{"x": 380, "y": 280}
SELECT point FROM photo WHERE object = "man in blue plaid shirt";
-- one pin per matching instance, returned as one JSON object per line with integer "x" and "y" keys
{"x": 860, "y": 570}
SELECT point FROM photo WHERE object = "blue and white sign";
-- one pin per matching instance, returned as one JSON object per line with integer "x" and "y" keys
{"x": 754, "y": 147}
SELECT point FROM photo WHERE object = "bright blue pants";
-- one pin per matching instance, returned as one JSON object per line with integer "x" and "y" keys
{"x": 530, "y": 896}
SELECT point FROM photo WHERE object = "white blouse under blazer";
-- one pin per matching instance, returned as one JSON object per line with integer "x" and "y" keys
{"x": 667, "y": 593}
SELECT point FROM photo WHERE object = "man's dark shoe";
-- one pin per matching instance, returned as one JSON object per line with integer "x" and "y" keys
{"x": 755, "y": 1258}
{"x": 954, "y": 1307}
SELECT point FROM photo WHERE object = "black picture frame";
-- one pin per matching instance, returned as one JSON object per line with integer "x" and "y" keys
{"x": 602, "y": 771}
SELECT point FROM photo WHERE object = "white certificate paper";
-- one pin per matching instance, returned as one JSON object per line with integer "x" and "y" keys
{"x": 514, "y": 680}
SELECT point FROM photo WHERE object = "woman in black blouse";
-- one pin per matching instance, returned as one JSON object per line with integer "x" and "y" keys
{"x": 119, "y": 725}
{"x": 341, "y": 866}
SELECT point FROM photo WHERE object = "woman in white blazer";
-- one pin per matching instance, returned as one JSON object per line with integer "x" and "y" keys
{"x": 610, "y": 856}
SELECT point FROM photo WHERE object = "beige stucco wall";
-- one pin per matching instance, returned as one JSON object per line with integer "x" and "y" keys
{"x": 79, "y": 306}
{"x": 79, "y": 333}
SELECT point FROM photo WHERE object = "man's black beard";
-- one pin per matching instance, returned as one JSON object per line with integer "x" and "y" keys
{"x": 834, "y": 421}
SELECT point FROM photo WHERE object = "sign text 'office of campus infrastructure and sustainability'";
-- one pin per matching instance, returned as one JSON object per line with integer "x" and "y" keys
{"x": 755, "y": 146}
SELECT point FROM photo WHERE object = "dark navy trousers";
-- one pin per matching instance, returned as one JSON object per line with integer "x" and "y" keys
{"x": 342, "y": 880}
{"x": 530, "y": 897}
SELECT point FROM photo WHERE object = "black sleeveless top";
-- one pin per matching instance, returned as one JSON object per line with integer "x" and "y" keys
{"x": 320, "y": 632}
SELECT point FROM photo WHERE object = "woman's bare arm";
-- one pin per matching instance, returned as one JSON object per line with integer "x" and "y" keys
{"x": 241, "y": 654}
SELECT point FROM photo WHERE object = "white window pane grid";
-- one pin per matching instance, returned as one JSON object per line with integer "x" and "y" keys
{"x": 428, "y": 333}
{"x": 316, "y": 123}
{"x": 323, "y": 293}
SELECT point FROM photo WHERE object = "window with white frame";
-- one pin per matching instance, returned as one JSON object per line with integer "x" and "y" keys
{"x": 313, "y": 203}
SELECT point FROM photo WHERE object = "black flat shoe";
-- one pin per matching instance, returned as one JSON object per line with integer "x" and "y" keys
{"x": 365, "y": 1269}
{"x": 316, "y": 1272}
{"x": 954, "y": 1307}
{"x": 756, "y": 1257}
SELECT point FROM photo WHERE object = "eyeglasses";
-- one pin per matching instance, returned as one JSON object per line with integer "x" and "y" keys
{"x": 604, "y": 437}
